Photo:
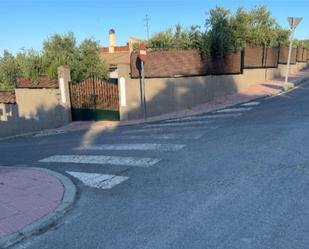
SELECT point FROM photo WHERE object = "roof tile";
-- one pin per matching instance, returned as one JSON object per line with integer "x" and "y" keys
{"x": 7, "y": 97}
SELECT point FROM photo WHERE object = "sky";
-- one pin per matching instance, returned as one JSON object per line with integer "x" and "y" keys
{"x": 26, "y": 23}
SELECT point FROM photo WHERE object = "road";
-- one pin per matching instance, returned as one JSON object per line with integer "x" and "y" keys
{"x": 237, "y": 178}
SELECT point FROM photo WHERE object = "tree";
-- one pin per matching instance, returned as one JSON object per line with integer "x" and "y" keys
{"x": 59, "y": 50}
{"x": 88, "y": 62}
{"x": 162, "y": 40}
{"x": 30, "y": 64}
{"x": 219, "y": 32}
{"x": 176, "y": 39}
{"x": 263, "y": 27}
{"x": 8, "y": 71}
{"x": 240, "y": 27}
{"x": 84, "y": 60}
{"x": 283, "y": 36}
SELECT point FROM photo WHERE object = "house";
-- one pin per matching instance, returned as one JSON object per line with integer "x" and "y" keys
{"x": 115, "y": 55}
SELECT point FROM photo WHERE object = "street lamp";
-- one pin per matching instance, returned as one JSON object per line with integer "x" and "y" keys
{"x": 293, "y": 21}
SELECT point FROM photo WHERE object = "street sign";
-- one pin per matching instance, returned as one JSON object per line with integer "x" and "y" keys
{"x": 294, "y": 21}
{"x": 142, "y": 53}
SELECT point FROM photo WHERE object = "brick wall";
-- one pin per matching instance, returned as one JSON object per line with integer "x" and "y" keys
{"x": 271, "y": 57}
{"x": 302, "y": 55}
{"x": 260, "y": 56}
{"x": 284, "y": 53}
{"x": 184, "y": 63}
{"x": 253, "y": 56}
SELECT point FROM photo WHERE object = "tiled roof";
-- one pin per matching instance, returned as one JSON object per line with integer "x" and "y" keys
{"x": 43, "y": 82}
{"x": 7, "y": 97}
{"x": 116, "y": 57}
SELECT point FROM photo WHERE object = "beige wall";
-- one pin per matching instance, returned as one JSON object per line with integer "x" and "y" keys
{"x": 36, "y": 109}
{"x": 172, "y": 94}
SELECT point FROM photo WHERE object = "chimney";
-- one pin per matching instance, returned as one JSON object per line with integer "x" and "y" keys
{"x": 112, "y": 40}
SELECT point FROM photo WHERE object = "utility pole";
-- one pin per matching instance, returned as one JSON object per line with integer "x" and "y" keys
{"x": 146, "y": 20}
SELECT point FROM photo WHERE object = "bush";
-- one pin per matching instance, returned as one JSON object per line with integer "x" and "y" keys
{"x": 176, "y": 39}
{"x": 226, "y": 32}
{"x": 8, "y": 71}
{"x": 219, "y": 32}
{"x": 30, "y": 64}
{"x": 84, "y": 61}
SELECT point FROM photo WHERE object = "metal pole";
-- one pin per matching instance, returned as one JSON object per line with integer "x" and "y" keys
{"x": 147, "y": 19}
{"x": 143, "y": 92}
{"x": 289, "y": 57}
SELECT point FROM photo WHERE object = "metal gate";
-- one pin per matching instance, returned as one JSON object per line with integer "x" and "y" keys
{"x": 95, "y": 99}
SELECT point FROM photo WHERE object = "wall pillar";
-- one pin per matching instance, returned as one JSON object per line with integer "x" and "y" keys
{"x": 64, "y": 77}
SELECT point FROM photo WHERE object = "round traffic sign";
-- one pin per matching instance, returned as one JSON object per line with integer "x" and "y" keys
{"x": 142, "y": 52}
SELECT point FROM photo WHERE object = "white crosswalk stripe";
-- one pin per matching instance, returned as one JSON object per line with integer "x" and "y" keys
{"x": 110, "y": 160}
{"x": 214, "y": 116}
{"x": 252, "y": 103}
{"x": 159, "y": 136}
{"x": 196, "y": 128}
{"x": 96, "y": 180}
{"x": 136, "y": 146}
{"x": 150, "y": 130}
{"x": 179, "y": 124}
{"x": 236, "y": 109}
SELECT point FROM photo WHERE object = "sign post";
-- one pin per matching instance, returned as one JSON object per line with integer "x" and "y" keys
{"x": 142, "y": 54}
{"x": 293, "y": 21}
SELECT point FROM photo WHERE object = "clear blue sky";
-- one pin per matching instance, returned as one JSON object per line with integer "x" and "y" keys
{"x": 25, "y": 23}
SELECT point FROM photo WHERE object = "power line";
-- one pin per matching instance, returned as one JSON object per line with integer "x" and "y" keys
{"x": 146, "y": 20}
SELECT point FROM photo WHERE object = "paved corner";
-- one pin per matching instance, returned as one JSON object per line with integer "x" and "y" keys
{"x": 31, "y": 199}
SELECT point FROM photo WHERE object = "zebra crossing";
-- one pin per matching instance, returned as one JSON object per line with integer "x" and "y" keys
{"x": 182, "y": 130}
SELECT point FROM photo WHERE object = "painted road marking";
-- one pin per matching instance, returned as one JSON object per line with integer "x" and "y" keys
{"x": 49, "y": 133}
{"x": 135, "y": 146}
{"x": 151, "y": 130}
{"x": 100, "y": 181}
{"x": 112, "y": 160}
{"x": 178, "y": 124}
{"x": 236, "y": 109}
{"x": 214, "y": 116}
{"x": 252, "y": 103}
{"x": 160, "y": 136}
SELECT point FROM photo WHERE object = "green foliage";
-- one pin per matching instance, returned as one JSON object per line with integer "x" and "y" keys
{"x": 240, "y": 24}
{"x": 30, "y": 64}
{"x": 84, "y": 61}
{"x": 301, "y": 43}
{"x": 59, "y": 50}
{"x": 226, "y": 32}
{"x": 88, "y": 62}
{"x": 262, "y": 27}
{"x": 283, "y": 36}
{"x": 176, "y": 39}
{"x": 8, "y": 71}
{"x": 219, "y": 32}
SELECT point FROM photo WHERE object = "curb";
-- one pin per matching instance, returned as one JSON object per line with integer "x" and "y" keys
{"x": 302, "y": 80}
{"x": 42, "y": 224}
{"x": 287, "y": 87}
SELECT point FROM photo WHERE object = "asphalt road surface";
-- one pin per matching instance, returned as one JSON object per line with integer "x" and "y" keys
{"x": 237, "y": 178}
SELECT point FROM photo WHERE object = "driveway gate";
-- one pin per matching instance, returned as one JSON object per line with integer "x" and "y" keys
{"x": 95, "y": 99}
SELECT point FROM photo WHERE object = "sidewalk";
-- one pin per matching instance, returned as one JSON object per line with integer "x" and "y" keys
{"x": 263, "y": 89}
{"x": 26, "y": 196}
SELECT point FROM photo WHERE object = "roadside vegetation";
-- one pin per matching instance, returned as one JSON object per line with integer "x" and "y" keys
{"x": 82, "y": 58}
{"x": 225, "y": 32}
